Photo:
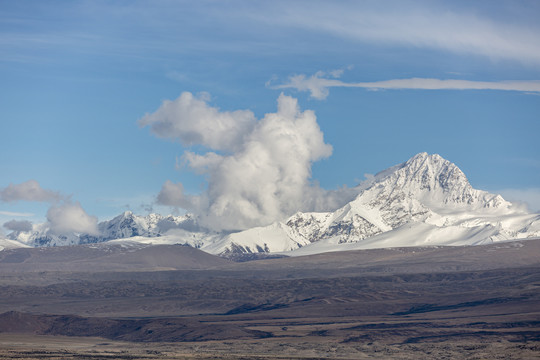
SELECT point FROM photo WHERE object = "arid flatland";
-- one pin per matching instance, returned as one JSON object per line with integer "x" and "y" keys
{"x": 433, "y": 303}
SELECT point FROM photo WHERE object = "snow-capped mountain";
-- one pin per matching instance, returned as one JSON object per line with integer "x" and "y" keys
{"x": 125, "y": 225}
{"x": 424, "y": 201}
{"x": 128, "y": 225}
{"x": 10, "y": 244}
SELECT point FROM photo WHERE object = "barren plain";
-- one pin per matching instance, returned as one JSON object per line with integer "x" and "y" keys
{"x": 175, "y": 302}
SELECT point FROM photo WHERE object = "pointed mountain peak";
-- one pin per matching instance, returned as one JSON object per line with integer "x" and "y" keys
{"x": 120, "y": 218}
{"x": 432, "y": 180}
{"x": 430, "y": 172}
{"x": 426, "y": 160}
{"x": 421, "y": 156}
{"x": 424, "y": 157}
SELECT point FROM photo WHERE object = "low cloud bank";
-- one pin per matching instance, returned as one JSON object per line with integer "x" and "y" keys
{"x": 530, "y": 197}
{"x": 63, "y": 217}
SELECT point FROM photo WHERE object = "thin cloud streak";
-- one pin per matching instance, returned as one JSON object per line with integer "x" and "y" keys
{"x": 16, "y": 214}
{"x": 423, "y": 25}
{"x": 318, "y": 85}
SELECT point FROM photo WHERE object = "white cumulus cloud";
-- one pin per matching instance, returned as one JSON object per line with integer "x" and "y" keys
{"x": 63, "y": 217}
{"x": 28, "y": 191}
{"x": 266, "y": 178}
{"x": 192, "y": 121}
{"x": 71, "y": 218}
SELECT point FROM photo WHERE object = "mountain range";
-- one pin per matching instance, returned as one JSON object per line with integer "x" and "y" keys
{"x": 425, "y": 201}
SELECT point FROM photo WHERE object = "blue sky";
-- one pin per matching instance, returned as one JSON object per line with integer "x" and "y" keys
{"x": 77, "y": 77}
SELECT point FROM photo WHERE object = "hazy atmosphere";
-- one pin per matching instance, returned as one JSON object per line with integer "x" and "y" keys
{"x": 244, "y": 112}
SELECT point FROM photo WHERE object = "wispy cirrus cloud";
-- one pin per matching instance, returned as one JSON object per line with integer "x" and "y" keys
{"x": 423, "y": 25}
{"x": 16, "y": 214}
{"x": 319, "y": 84}
{"x": 412, "y": 24}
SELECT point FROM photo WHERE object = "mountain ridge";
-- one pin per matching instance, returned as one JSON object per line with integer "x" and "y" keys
{"x": 425, "y": 191}
{"x": 427, "y": 200}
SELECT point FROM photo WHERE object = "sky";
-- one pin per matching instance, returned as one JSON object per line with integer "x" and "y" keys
{"x": 244, "y": 112}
